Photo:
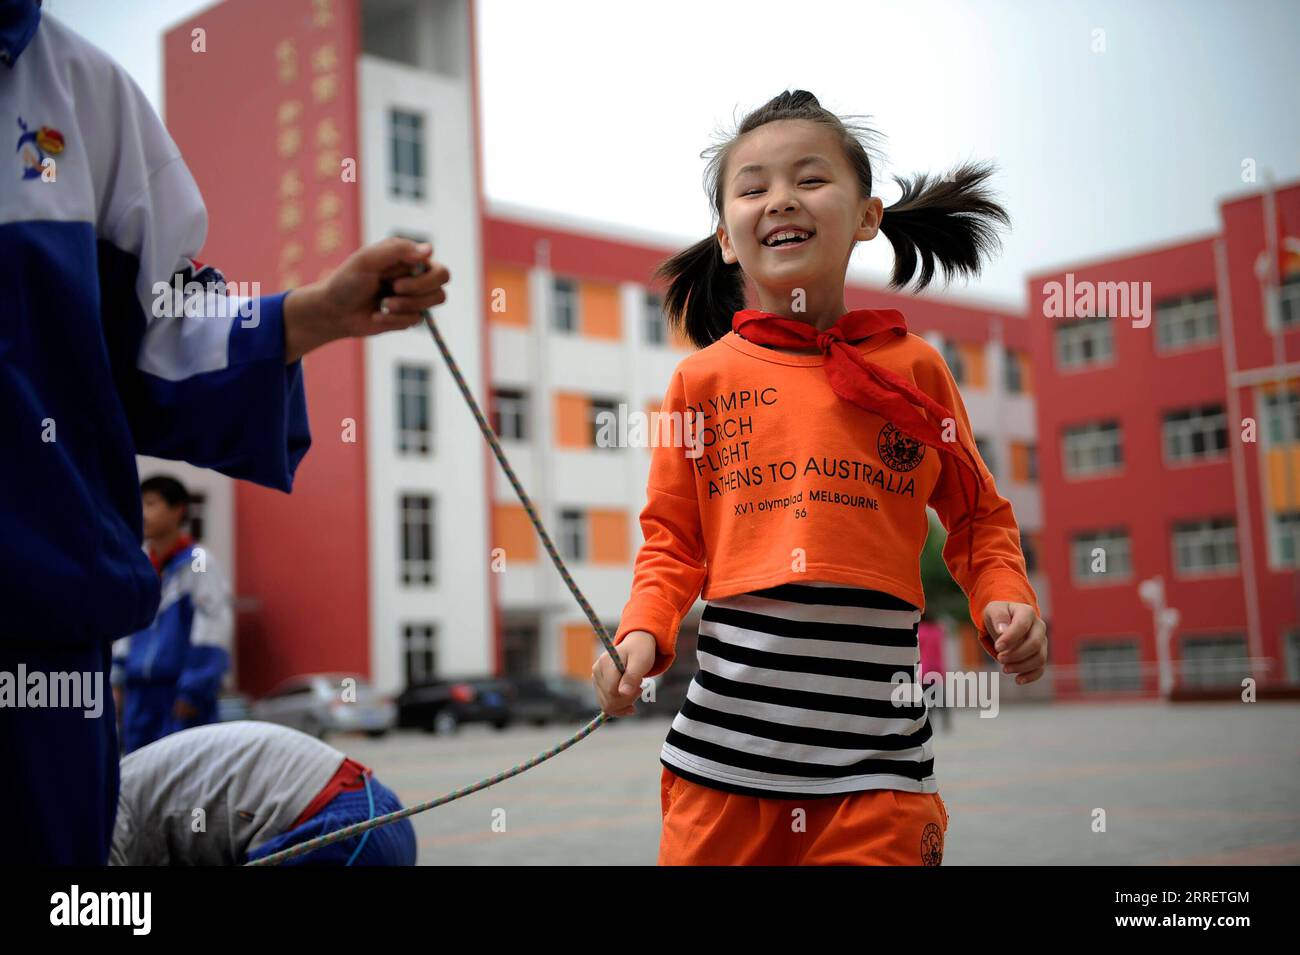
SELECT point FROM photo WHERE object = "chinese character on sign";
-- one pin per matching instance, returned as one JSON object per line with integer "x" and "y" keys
{"x": 288, "y": 141}
{"x": 327, "y": 133}
{"x": 289, "y": 111}
{"x": 290, "y": 184}
{"x": 328, "y": 206}
{"x": 325, "y": 88}
{"x": 291, "y": 254}
{"x": 290, "y": 216}
{"x": 328, "y": 238}
{"x": 328, "y": 164}
{"x": 286, "y": 58}
{"x": 324, "y": 59}
{"x": 322, "y": 13}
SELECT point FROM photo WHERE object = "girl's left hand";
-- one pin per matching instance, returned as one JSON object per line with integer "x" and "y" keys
{"x": 1019, "y": 639}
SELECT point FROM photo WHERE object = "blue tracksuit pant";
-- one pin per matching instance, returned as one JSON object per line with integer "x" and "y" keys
{"x": 61, "y": 765}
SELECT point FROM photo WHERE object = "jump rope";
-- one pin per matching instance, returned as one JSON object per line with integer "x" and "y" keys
{"x": 359, "y": 828}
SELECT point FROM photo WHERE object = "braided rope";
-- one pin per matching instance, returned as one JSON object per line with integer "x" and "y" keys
{"x": 356, "y": 829}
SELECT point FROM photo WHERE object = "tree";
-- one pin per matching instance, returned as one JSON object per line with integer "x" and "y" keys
{"x": 943, "y": 598}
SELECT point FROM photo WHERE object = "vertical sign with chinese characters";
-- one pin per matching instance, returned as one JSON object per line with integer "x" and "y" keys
{"x": 266, "y": 117}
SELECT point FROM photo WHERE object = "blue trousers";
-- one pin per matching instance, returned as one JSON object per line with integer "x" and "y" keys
{"x": 148, "y": 714}
{"x": 59, "y": 797}
{"x": 393, "y": 844}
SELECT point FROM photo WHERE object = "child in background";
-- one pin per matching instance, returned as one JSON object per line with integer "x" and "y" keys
{"x": 930, "y": 637}
{"x": 798, "y": 511}
{"x": 170, "y": 672}
{"x": 261, "y": 788}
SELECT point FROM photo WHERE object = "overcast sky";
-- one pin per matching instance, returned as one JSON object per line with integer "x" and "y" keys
{"x": 1114, "y": 125}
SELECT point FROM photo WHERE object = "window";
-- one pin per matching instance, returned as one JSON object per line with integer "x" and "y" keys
{"x": 573, "y": 534}
{"x": 521, "y": 648}
{"x": 1218, "y": 660}
{"x": 1093, "y": 449}
{"x": 418, "y": 647}
{"x": 1101, "y": 557}
{"x": 1187, "y": 321}
{"x": 510, "y": 414}
{"x": 1084, "y": 342}
{"x": 1031, "y": 461}
{"x": 196, "y": 515}
{"x": 1282, "y": 417}
{"x": 417, "y": 539}
{"x": 601, "y": 410}
{"x": 1293, "y": 657}
{"x": 564, "y": 305}
{"x": 986, "y": 454}
{"x": 1195, "y": 434}
{"x": 1288, "y": 300}
{"x": 654, "y": 322}
{"x": 952, "y": 355}
{"x": 1286, "y": 538}
{"x": 1109, "y": 667}
{"x": 1012, "y": 372}
{"x": 406, "y": 148}
{"x": 414, "y": 420}
{"x": 1206, "y": 545}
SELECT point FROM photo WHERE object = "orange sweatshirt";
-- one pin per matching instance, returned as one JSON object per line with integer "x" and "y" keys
{"x": 776, "y": 479}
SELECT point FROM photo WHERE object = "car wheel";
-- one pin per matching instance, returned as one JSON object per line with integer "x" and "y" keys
{"x": 376, "y": 734}
{"x": 445, "y": 723}
{"x": 500, "y": 724}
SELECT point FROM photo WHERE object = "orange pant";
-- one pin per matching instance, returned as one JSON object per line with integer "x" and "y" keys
{"x": 707, "y": 826}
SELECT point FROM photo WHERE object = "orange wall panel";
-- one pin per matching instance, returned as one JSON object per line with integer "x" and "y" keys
{"x": 1284, "y": 463}
{"x": 973, "y": 358}
{"x": 609, "y": 541}
{"x": 572, "y": 420}
{"x": 598, "y": 311}
{"x": 514, "y": 532}
{"x": 507, "y": 296}
{"x": 579, "y": 650}
{"x": 1019, "y": 461}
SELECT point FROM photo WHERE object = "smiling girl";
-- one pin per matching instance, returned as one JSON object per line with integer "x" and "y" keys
{"x": 804, "y": 738}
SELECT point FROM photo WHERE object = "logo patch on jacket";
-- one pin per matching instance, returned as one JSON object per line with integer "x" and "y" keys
{"x": 35, "y": 146}
{"x": 900, "y": 451}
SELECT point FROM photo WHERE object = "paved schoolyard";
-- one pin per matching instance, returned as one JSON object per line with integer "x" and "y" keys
{"x": 1212, "y": 784}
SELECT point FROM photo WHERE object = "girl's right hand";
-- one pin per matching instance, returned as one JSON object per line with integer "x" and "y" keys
{"x": 618, "y": 691}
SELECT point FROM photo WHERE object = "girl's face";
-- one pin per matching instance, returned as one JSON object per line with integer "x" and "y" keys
{"x": 792, "y": 174}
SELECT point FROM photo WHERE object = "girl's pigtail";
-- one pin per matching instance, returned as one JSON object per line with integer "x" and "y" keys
{"x": 703, "y": 292}
{"x": 951, "y": 222}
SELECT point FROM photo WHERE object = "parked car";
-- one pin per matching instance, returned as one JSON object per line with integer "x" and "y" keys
{"x": 442, "y": 706}
{"x": 318, "y": 704}
{"x": 554, "y": 699}
{"x": 233, "y": 706}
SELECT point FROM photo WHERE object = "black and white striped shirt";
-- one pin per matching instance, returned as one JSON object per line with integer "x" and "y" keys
{"x": 795, "y": 696}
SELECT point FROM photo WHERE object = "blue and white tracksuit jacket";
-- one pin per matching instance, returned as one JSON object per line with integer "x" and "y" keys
{"x": 97, "y": 209}
{"x": 90, "y": 373}
{"x": 183, "y": 656}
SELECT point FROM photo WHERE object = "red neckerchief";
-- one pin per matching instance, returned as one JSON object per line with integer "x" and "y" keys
{"x": 159, "y": 562}
{"x": 864, "y": 383}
